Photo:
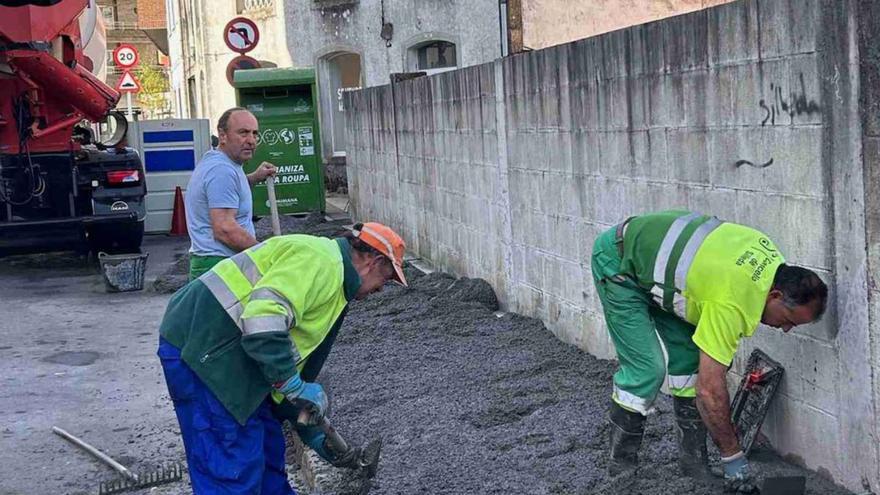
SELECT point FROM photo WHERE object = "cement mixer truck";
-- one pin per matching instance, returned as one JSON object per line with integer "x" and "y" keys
{"x": 64, "y": 184}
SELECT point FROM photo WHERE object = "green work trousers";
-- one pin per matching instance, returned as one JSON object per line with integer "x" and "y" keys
{"x": 200, "y": 264}
{"x": 637, "y": 325}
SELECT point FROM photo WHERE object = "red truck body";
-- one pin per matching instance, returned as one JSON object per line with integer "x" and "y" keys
{"x": 54, "y": 184}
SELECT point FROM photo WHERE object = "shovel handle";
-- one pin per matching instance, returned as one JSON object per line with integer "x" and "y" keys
{"x": 106, "y": 459}
{"x": 273, "y": 205}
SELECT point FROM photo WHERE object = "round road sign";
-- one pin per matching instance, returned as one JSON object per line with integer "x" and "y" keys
{"x": 241, "y": 62}
{"x": 125, "y": 56}
{"x": 241, "y": 35}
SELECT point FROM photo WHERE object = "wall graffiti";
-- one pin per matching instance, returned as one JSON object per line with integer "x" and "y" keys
{"x": 740, "y": 163}
{"x": 780, "y": 104}
{"x": 796, "y": 104}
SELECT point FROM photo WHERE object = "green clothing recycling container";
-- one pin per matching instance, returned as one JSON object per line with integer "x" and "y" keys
{"x": 285, "y": 104}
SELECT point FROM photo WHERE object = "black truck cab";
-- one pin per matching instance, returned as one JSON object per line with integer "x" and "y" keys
{"x": 88, "y": 199}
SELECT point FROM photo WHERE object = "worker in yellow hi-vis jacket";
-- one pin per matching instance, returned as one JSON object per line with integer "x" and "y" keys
{"x": 700, "y": 285}
{"x": 251, "y": 334}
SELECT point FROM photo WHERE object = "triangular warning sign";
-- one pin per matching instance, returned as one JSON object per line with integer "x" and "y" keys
{"x": 128, "y": 83}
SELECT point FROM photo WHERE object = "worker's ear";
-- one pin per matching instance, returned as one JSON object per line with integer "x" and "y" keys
{"x": 376, "y": 261}
{"x": 775, "y": 294}
{"x": 383, "y": 264}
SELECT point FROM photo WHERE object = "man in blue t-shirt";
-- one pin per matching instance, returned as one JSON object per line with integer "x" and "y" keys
{"x": 219, "y": 205}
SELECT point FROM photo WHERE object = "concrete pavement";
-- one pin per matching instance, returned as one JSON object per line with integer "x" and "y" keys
{"x": 84, "y": 360}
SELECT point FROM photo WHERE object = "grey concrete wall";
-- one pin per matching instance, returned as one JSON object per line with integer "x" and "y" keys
{"x": 429, "y": 166}
{"x": 317, "y": 28}
{"x": 869, "y": 105}
{"x": 752, "y": 111}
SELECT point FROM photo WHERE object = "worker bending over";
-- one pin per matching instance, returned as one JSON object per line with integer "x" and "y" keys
{"x": 249, "y": 336}
{"x": 700, "y": 285}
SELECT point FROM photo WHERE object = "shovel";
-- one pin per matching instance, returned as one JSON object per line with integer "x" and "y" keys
{"x": 367, "y": 458}
{"x": 273, "y": 205}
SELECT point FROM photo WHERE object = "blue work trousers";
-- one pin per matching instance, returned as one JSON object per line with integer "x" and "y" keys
{"x": 224, "y": 457}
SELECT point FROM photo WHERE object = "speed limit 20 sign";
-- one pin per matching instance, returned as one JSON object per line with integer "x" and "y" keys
{"x": 125, "y": 56}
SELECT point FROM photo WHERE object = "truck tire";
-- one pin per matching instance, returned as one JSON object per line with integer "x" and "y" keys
{"x": 116, "y": 238}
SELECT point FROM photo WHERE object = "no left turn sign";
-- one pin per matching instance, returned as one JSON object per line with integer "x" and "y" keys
{"x": 125, "y": 56}
{"x": 241, "y": 35}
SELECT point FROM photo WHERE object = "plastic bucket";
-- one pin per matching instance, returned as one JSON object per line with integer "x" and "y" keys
{"x": 123, "y": 272}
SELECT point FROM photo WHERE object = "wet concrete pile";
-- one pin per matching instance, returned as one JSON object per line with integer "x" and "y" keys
{"x": 468, "y": 400}
{"x": 313, "y": 224}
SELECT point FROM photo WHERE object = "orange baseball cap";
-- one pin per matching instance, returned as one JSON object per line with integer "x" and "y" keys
{"x": 387, "y": 242}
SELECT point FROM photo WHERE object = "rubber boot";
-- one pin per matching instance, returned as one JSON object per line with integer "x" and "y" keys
{"x": 693, "y": 458}
{"x": 627, "y": 431}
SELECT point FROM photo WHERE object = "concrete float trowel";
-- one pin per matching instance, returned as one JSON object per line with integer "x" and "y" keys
{"x": 363, "y": 459}
{"x": 750, "y": 405}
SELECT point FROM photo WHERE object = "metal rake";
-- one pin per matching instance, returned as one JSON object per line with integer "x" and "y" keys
{"x": 130, "y": 481}
{"x": 144, "y": 479}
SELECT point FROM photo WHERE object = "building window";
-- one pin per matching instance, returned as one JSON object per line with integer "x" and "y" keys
{"x": 338, "y": 73}
{"x": 244, "y": 6}
{"x": 109, "y": 13}
{"x": 436, "y": 55}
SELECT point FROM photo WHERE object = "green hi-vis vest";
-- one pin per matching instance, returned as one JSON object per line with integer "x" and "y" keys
{"x": 255, "y": 318}
{"x": 715, "y": 275}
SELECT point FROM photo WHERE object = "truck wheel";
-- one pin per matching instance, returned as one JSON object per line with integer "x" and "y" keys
{"x": 116, "y": 238}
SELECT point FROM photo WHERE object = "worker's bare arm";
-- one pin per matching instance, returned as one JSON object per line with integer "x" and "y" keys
{"x": 228, "y": 231}
{"x": 713, "y": 402}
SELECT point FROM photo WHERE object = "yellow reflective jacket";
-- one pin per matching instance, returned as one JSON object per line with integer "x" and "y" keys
{"x": 255, "y": 318}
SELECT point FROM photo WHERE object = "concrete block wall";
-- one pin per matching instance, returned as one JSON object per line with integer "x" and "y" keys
{"x": 429, "y": 164}
{"x": 753, "y": 111}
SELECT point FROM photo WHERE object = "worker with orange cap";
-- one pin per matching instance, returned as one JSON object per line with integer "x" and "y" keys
{"x": 250, "y": 336}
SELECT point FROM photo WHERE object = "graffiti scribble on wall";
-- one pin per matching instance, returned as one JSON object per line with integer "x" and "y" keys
{"x": 740, "y": 163}
{"x": 796, "y": 104}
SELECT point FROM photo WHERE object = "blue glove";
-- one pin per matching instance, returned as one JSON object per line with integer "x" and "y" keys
{"x": 310, "y": 395}
{"x": 737, "y": 474}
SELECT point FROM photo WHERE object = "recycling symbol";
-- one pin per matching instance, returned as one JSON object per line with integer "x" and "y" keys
{"x": 270, "y": 137}
{"x": 287, "y": 136}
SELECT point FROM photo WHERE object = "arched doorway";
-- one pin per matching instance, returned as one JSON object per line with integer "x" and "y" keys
{"x": 338, "y": 72}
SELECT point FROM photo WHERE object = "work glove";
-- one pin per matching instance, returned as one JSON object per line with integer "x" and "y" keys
{"x": 305, "y": 394}
{"x": 737, "y": 474}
